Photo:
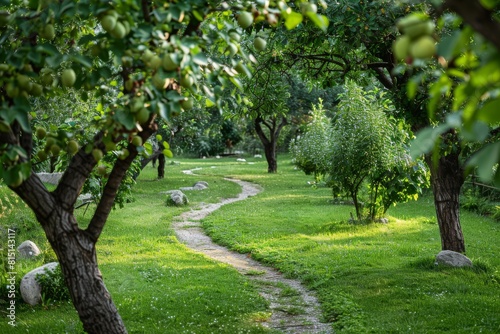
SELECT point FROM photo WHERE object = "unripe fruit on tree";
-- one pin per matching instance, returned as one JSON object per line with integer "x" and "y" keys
{"x": 47, "y": 79}
{"x": 142, "y": 116}
{"x": 187, "y": 103}
{"x": 168, "y": 62}
{"x": 36, "y": 90}
{"x": 159, "y": 137}
{"x": 235, "y": 36}
{"x": 129, "y": 84}
{"x": 119, "y": 31}
{"x": 136, "y": 104}
{"x": 168, "y": 153}
{"x": 48, "y": 32}
{"x": 97, "y": 154}
{"x": 12, "y": 90}
{"x": 424, "y": 47}
{"x": 72, "y": 147}
{"x": 187, "y": 81}
{"x": 124, "y": 154}
{"x": 259, "y": 43}
{"x": 55, "y": 150}
{"x": 147, "y": 55}
{"x": 159, "y": 82}
{"x": 17, "y": 180}
{"x": 40, "y": 133}
{"x": 232, "y": 49}
{"x": 245, "y": 19}
{"x": 154, "y": 63}
{"x": 110, "y": 146}
{"x": 401, "y": 47}
{"x": 108, "y": 22}
{"x": 42, "y": 156}
{"x": 101, "y": 170}
{"x": 24, "y": 81}
{"x": 50, "y": 141}
{"x": 68, "y": 77}
{"x": 137, "y": 141}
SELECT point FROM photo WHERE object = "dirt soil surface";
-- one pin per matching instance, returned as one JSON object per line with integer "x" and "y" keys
{"x": 294, "y": 308}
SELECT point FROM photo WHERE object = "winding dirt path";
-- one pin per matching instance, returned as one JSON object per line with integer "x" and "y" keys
{"x": 294, "y": 309}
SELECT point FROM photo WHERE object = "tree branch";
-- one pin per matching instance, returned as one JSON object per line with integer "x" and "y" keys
{"x": 76, "y": 174}
{"x": 103, "y": 209}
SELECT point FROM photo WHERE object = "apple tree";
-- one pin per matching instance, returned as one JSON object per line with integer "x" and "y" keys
{"x": 139, "y": 60}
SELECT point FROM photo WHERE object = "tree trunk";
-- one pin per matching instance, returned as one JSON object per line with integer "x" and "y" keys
{"x": 77, "y": 257}
{"x": 270, "y": 142}
{"x": 447, "y": 177}
{"x": 270, "y": 152}
{"x": 161, "y": 166}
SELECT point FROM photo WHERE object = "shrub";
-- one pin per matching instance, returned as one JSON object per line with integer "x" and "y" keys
{"x": 53, "y": 287}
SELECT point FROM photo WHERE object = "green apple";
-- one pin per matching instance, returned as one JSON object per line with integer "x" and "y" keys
{"x": 187, "y": 81}
{"x": 259, "y": 43}
{"x": 118, "y": 31}
{"x": 154, "y": 63}
{"x": 55, "y": 150}
{"x": 142, "y": 116}
{"x": 68, "y": 77}
{"x": 108, "y": 22}
{"x": 48, "y": 32}
{"x": 169, "y": 63}
{"x": 124, "y": 154}
{"x": 424, "y": 47}
{"x": 136, "y": 141}
{"x": 97, "y": 154}
{"x": 72, "y": 147}
{"x": 42, "y": 156}
{"x": 101, "y": 170}
{"x": 401, "y": 47}
{"x": 187, "y": 103}
{"x": 245, "y": 19}
{"x": 40, "y": 133}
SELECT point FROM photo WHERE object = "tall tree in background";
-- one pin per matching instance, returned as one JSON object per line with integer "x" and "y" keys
{"x": 359, "y": 42}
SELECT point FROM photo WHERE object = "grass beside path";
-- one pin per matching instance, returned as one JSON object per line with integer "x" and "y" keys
{"x": 377, "y": 278}
{"x": 369, "y": 278}
{"x": 158, "y": 285}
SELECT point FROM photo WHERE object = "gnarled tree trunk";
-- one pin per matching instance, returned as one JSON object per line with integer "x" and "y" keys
{"x": 75, "y": 247}
{"x": 447, "y": 178}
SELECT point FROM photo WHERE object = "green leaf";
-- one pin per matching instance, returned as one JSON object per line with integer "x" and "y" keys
{"x": 485, "y": 159}
{"x": 200, "y": 59}
{"x": 319, "y": 20}
{"x": 292, "y": 20}
{"x": 125, "y": 118}
{"x": 237, "y": 83}
{"x": 426, "y": 139}
{"x": 490, "y": 112}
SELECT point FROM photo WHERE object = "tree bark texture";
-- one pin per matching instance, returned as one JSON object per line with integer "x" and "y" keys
{"x": 75, "y": 250}
{"x": 447, "y": 178}
{"x": 270, "y": 141}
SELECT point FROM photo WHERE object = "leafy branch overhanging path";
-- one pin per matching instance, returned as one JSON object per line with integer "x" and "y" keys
{"x": 291, "y": 313}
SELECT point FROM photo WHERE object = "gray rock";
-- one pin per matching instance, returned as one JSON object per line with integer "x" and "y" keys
{"x": 383, "y": 220}
{"x": 28, "y": 249}
{"x": 31, "y": 290}
{"x": 200, "y": 185}
{"x": 52, "y": 178}
{"x": 177, "y": 198}
{"x": 453, "y": 259}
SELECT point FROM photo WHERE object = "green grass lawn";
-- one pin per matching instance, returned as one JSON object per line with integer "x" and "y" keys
{"x": 377, "y": 278}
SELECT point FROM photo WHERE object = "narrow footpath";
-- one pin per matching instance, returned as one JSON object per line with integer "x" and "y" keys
{"x": 294, "y": 308}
